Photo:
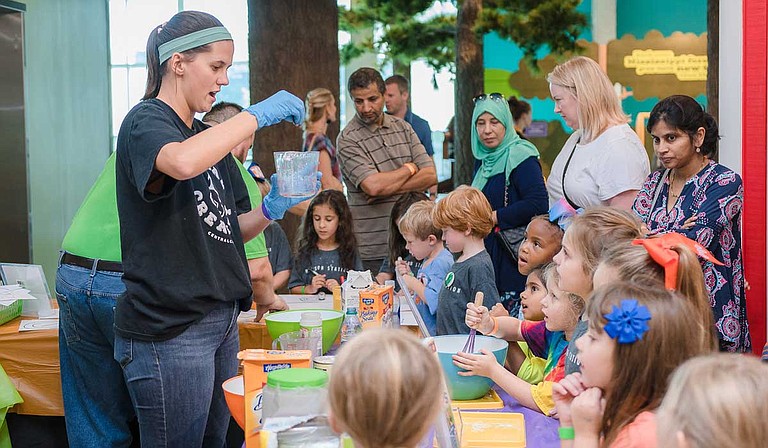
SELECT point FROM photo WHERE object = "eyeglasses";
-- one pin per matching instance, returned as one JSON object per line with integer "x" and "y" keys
{"x": 495, "y": 96}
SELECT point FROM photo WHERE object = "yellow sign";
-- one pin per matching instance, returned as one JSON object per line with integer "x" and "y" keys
{"x": 686, "y": 67}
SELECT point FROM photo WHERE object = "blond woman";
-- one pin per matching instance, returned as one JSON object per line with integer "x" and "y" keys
{"x": 603, "y": 162}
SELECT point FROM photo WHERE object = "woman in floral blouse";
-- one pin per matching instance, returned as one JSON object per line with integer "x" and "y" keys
{"x": 701, "y": 199}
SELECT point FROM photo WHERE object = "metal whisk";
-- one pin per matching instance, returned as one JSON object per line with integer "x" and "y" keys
{"x": 469, "y": 347}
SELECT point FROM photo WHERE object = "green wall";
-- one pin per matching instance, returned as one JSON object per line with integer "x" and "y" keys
{"x": 68, "y": 114}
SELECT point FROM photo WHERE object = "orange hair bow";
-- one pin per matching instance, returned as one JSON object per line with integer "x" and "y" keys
{"x": 660, "y": 250}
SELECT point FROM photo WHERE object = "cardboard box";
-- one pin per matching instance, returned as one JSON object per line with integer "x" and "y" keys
{"x": 376, "y": 306}
{"x": 257, "y": 363}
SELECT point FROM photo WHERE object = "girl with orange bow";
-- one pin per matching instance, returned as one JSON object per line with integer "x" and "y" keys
{"x": 671, "y": 261}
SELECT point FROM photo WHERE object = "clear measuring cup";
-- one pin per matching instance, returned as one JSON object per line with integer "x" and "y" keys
{"x": 297, "y": 173}
{"x": 293, "y": 340}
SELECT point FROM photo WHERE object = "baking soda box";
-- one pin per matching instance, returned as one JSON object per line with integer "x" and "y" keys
{"x": 257, "y": 363}
{"x": 376, "y": 306}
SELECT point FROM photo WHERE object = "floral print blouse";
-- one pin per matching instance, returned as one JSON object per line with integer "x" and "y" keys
{"x": 715, "y": 195}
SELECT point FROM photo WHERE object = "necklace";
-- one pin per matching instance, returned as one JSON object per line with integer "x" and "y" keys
{"x": 673, "y": 178}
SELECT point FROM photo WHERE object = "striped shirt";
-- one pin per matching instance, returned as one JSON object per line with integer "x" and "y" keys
{"x": 364, "y": 150}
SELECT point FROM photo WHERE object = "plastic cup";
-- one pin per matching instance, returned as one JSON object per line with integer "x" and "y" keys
{"x": 296, "y": 173}
{"x": 294, "y": 340}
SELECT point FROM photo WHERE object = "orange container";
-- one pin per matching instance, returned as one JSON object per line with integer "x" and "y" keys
{"x": 375, "y": 305}
{"x": 257, "y": 363}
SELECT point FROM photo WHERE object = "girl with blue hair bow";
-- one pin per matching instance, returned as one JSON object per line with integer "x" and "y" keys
{"x": 509, "y": 175}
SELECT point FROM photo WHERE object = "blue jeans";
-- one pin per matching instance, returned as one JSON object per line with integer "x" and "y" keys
{"x": 175, "y": 385}
{"x": 97, "y": 407}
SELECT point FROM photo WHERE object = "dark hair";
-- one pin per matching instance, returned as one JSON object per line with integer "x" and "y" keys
{"x": 518, "y": 107}
{"x": 181, "y": 24}
{"x": 396, "y": 241}
{"x": 364, "y": 77}
{"x": 345, "y": 235}
{"x": 684, "y": 113}
{"x": 221, "y": 112}
{"x": 402, "y": 83}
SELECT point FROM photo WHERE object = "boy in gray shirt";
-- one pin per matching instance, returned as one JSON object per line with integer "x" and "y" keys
{"x": 466, "y": 218}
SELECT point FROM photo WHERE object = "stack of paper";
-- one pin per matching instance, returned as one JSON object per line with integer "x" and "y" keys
{"x": 9, "y": 294}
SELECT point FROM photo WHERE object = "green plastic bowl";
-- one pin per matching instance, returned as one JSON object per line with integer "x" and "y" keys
{"x": 467, "y": 387}
{"x": 286, "y": 321}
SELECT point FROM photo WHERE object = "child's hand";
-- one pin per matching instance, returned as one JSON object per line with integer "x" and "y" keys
{"x": 331, "y": 283}
{"x": 484, "y": 364}
{"x": 402, "y": 267}
{"x": 318, "y": 282}
{"x": 587, "y": 412}
{"x": 498, "y": 310}
{"x": 563, "y": 393}
{"x": 479, "y": 318}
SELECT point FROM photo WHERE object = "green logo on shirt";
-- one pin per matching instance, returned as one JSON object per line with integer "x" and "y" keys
{"x": 448, "y": 280}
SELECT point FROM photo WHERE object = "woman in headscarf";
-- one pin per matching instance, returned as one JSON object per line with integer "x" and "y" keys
{"x": 510, "y": 176}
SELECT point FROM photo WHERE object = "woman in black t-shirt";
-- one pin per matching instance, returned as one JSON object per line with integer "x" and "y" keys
{"x": 184, "y": 213}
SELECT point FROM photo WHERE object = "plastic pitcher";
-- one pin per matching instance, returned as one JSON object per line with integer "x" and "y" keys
{"x": 294, "y": 340}
{"x": 296, "y": 173}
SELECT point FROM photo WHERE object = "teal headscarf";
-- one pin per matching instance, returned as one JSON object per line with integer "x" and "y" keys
{"x": 511, "y": 151}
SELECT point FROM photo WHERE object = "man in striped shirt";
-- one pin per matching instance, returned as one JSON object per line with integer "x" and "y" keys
{"x": 381, "y": 158}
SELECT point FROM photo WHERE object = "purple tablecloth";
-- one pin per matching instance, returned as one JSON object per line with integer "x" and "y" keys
{"x": 540, "y": 430}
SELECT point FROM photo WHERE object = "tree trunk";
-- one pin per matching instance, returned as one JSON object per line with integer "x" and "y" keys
{"x": 469, "y": 83}
{"x": 293, "y": 45}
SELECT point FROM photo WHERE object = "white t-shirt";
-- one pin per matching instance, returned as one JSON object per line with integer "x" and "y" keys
{"x": 611, "y": 164}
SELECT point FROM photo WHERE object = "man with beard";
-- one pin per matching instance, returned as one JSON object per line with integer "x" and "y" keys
{"x": 381, "y": 158}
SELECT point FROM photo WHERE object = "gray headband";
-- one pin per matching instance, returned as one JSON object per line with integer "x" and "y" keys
{"x": 192, "y": 40}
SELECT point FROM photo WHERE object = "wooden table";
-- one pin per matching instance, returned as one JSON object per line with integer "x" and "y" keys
{"x": 31, "y": 360}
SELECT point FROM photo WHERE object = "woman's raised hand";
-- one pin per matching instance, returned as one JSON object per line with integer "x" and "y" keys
{"x": 278, "y": 107}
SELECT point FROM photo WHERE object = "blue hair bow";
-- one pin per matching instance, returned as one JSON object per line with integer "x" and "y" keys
{"x": 561, "y": 213}
{"x": 627, "y": 323}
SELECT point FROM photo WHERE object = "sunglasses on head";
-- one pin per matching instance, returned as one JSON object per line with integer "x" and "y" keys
{"x": 495, "y": 96}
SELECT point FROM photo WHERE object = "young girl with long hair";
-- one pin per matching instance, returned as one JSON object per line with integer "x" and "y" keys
{"x": 184, "y": 214}
{"x": 669, "y": 260}
{"x": 546, "y": 339}
{"x": 638, "y": 334}
{"x": 588, "y": 235}
{"x": 327, "y": 247}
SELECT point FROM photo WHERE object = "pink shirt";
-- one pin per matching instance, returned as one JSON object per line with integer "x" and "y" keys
{"x": 641, "y": 433}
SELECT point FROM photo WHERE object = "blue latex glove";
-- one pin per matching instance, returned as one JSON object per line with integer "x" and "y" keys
{"x": 278, "y": 107}
{"x": 274, "y": 205}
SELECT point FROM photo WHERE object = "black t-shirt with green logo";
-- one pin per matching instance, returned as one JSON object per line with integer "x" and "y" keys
{"x": 459, "y": 287}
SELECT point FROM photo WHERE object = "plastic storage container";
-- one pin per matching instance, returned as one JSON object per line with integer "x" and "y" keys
{"x": 294, "y": 392}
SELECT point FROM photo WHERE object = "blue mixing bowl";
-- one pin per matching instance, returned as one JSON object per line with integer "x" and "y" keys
{"x": 467, "y": 387}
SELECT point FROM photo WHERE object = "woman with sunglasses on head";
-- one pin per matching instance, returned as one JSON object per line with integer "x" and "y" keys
{"x": 509, "y": 175}
{"x": 184, "y": 214}
{"x": 603, "y": 162}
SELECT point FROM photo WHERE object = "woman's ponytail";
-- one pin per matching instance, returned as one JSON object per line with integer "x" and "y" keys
{"x": 154, "y": 72}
